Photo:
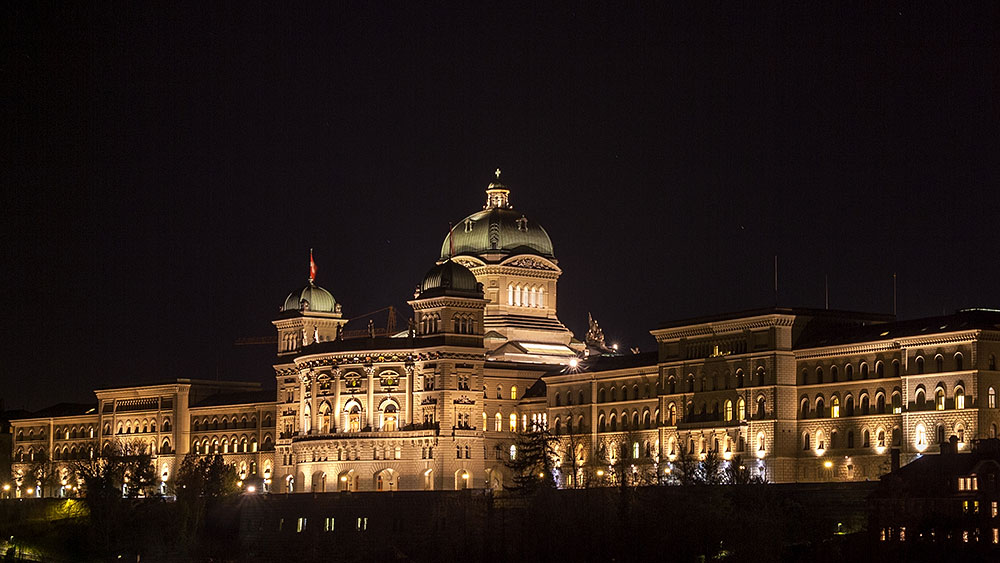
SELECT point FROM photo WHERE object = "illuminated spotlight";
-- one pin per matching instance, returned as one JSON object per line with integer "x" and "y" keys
{"x": 573, "y": 363}
{"x": 600, "y": 473}
{"x": 343, "y": 478}
{"x": 251, "y": 489}
{"x": 6, "y": 486}
{"x": 828, "y": 464}
{"x": 614, "y": 347}
{"x": 466, "y": 475}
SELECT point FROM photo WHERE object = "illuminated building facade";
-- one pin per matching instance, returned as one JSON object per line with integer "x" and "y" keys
{"x": 800, "y": 394}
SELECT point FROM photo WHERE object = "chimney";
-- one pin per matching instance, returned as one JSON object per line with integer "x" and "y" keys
{"x": 894, "y": 459}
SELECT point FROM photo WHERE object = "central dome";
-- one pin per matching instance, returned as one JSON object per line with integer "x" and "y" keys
{"x": 497, "y": 229}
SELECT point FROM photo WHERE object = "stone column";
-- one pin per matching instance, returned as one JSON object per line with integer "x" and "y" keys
{"x": 407, "y": 417}
{"x": 338, "y": 409}
{"x": 370, "y": 408}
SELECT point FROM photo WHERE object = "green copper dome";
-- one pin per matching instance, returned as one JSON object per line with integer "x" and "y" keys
{"x": 450, "y": 278}
{"x": 310, "y": 298}
{"x": 497, "y": 229}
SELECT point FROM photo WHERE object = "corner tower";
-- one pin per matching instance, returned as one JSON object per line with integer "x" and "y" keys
{"x": 512, "y": 257}
{"x": 309, "y": 315}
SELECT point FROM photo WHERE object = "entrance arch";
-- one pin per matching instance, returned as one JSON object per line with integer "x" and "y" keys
{"x": 347, "y": 481}
{"x": 463, "y": 480}
{"x": 319, "y": 482}
{"x": 386, "y": 480}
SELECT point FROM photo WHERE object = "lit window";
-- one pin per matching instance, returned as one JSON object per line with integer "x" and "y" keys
{"x": 301, "y": 525}
{"x": 959, "y": 398}
{"x": 328, "y": 524}
{"x": 513, "y": 422}
{"x": 992, "y": 398}
{"x": 498, "y": 422}
{"x": 362, "y": 524}
{"x": 993, "y": 509}
{"x": 513, "y": 391}
{"x": 513, "y": 452}
{"x": 835, "y": 408}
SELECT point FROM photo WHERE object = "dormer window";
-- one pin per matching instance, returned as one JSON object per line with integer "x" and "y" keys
{"x": 522, "y": 223}
{"x": 469, "y": 223}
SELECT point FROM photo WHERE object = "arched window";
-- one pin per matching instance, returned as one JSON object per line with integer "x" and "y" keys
{"x": 805, "y": 377}
{"x": 849, "y": 405}
{"x": 741, "y": 408}
{"x": 919, "y": 400}
{"x": 920, "y": 364}
{"x": 991, "y": 398}
{"x": 866, "y": 439}
{"x": 959, "y": 362}
{"x": 729, "y": 410}
{"x": 513, "y": 392}
{"x": 761, "y": 406}
{"x": 881, "y": 439}
{"x": 835, "y": 407}
{"x": 624, "y": 393}
{"x": 672, "y": 414}
{"x": 804, "y": 407}
{"x": 805, "y": 441}
{"x": 690, "y": 383}
{"x": 864, "y": 370}
{"x": 940, "y": 433}
{"x": 959, "y": 397}
{"x": 739, "y": 380}
{"x": 850, "y": 438}
{"x": 920, "y": 437}
{"x": 819, "y": 375}
{"x": 992, "y": 362}
{"x": 558, "y": 399}
{"x": 499, "y": 392}
{"x": 600, "y": 422}
{"x": 939, "y": 363}
{"x": 849, "y": 372}
{"x": 834, "y": 374}
{"x": 939, "y": 401}
{"x": 614, "y": 394}
{"x": 498, "y": 422}
{"x": 879, "y": 369}
{"x": 895, "y": 368}
{"x": 820, "y": 406}
{"x": 512, "y": 423}
{"x": 897, "y": 402}
{"x": 580, "y": 397}
{"x": 865, "y": 405}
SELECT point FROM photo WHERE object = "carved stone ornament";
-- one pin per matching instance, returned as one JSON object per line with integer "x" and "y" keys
{"x": 528, "y": 262}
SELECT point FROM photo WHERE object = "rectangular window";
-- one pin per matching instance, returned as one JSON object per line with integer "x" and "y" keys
{"x": 993, "y": 509}
{"x": 362, "y": 524}
{"x": 328, "y": 524}
{"x": 975, "y": 483}
{"x": 301, "y": 525}
{"x": 996, "y": 535}
{"x": 281, "y": 524}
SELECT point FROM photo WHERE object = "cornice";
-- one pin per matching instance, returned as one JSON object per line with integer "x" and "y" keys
{"x": 723, "y": 327}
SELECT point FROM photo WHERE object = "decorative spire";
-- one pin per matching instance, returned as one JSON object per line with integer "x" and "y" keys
{"x": 312, "y": 267}
{"x": 497, "y": 194}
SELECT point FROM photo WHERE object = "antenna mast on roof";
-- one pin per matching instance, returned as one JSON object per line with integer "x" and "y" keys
{"x": 775, "y": 280}
{"x": 894, "y": 294}
{"x": 826, "y": 286}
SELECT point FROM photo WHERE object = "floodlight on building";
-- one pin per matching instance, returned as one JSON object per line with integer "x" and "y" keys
{"x": 600, "y": 473}
{"x": 828, "y": 464}
{"x": 343, "y": 478}
{"x": 251, "y": 489}
{"x": 573, "y": 363}
{"x": 6, "y": 486}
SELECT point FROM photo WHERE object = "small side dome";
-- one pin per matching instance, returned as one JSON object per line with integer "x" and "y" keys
{"x": 450, "y": 278}
{"x": 311, "y": 298}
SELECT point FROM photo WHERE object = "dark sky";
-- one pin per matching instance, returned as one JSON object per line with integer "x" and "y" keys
{"x": 166, "y": 172}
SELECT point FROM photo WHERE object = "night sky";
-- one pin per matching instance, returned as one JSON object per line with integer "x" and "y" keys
{"x": 166, "y": 172}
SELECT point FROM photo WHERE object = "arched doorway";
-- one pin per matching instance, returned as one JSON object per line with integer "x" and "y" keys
{"x": 386, "y": 480}
{"x": 347, "y": 481}
{"x": 462, "y": 480}
{"x": 319, "y": 482}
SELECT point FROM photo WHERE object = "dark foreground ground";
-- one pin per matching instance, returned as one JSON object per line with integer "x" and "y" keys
{"x": 813, "y": 523}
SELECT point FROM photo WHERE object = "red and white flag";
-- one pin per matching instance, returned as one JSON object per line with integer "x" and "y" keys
{"x": 312, "y": 266}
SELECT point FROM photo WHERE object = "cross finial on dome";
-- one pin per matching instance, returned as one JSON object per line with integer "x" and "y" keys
{"x": 497, "y": 173}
